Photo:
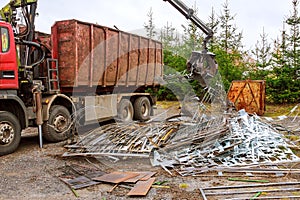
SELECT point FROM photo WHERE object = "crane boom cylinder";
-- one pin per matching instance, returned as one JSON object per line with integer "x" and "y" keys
{"x": 190, "y": 15}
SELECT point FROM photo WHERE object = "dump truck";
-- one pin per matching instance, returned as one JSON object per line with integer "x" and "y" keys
{"x": 79, "y": 74}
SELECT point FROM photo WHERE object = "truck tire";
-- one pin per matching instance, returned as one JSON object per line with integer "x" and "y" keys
{"x": 58, "y": 126}
{"x": 10, "y": 133}
{"x": 125, "y": 111}
{"x": 142, "y": 109}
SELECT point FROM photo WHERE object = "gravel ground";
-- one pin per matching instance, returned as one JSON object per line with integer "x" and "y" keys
{"x": 32, "y": 173}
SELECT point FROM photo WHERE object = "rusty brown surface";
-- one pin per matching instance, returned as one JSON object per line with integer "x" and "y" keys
{"x": 248, "y": 95}
{"x": 116, "y": 177}
{"x": 79, "y": 182}
{"x": 93, "y": 55}
{"x": 142, "y": 176}
{"x": 141, "y": 188}
{"x": 44, "y": 39}
{"x": 148, "y": 176}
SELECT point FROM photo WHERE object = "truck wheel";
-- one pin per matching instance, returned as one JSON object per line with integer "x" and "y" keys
{"x": 125, "y": 111}
{"x": 142, "y": 109}
{"x": 58, "y": 126}
{"x": 10, "y": 133}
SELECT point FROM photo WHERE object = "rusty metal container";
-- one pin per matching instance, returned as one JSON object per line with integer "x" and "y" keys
{"x": 97, "y": 56}
{"x": 248, "y": 95}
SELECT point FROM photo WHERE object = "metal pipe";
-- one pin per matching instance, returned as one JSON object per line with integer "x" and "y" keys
{"x": 39, "y": 115}
{"x": 40, "y": 136}
{"x": 253, "y": 191}
{"x": 253, "y": 185}
{"x": 274, "y": 197}
{"x": 203, "y": 194}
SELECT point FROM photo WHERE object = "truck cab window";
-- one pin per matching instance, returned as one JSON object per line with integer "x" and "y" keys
{"x": 4, "y": 40}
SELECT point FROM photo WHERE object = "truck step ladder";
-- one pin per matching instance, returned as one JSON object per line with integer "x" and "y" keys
{"x": 53, "y": 76}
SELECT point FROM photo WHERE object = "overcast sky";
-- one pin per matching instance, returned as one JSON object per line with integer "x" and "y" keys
{"x": 128, "y": 15}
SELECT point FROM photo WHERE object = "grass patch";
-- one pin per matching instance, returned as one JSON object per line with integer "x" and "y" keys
{"x": 273, "y": 110}
{"x": 168, "y": 104}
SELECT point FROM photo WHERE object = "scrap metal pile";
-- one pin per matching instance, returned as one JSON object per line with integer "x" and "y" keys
{"x": 190, "y": 145}
{"x": 206, "y": 135}
{"x": 247, "y": 141}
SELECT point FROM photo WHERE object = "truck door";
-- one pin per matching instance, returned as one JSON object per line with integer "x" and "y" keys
{"x": 8, "y": 59}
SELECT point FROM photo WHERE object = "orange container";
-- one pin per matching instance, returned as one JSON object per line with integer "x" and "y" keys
{"x": 248, "y": 95}
{"x": 90, "y": 55}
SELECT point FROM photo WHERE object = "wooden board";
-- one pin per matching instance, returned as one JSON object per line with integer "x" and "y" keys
{"x": 141, "y": 188}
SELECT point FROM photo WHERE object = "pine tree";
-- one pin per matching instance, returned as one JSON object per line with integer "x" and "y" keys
{"x": 192, "y": 38}
{"x": 230, "y": 38}
{"x": 277, "y": 85}
{"x": 168, "y": 37}
{"x": 150, "y": 26}
{"x": 213, "y": 25}
{"x": 263, "y": 56}
{"x": 228, "y": 49}
{"x": 284, "y": 86}
{"x": 294, "y": 38}
{"x": 293, "y": 52}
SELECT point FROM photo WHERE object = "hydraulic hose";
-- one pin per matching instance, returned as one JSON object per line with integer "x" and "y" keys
{"x": 38, "y": 46}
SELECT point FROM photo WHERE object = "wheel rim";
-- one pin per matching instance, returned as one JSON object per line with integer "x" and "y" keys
{"x": 60, "y": 123}
{"x": 145, "y": 110}
{"x": 126, "y": 113}
{"x": 7, "y": 133}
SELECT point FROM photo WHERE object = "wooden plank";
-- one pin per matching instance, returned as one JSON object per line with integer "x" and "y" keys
{"x": 116, "y": 177}
{"x": 141, "y": 188}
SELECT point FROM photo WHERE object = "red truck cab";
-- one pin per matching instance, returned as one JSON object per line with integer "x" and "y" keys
{"x": 8, "y": 58}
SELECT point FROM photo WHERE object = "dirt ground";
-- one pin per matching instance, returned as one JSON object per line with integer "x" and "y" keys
{"x": 33, "y": 173}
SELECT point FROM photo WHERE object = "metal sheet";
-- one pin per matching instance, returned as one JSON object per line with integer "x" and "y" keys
{"x": 99, "y": 107}
{"x": 248, "y": 95}
{"x": 141, "y": 188}
{"x": 79, "y": 182}
{"x": 116, "y": 177}
{"x": 142, "y": 176}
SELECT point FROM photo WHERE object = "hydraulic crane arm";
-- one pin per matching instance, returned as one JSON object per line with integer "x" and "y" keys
{"x": 28, "y": 9}
{"x": 190, "y": 14}
{"x": 201, "y": 65}
{"x": 8, "y": 10}
{"x": 19, "y": 12}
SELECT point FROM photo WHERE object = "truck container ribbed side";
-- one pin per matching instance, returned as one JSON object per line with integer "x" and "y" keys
{"x": 97, "y": 56}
